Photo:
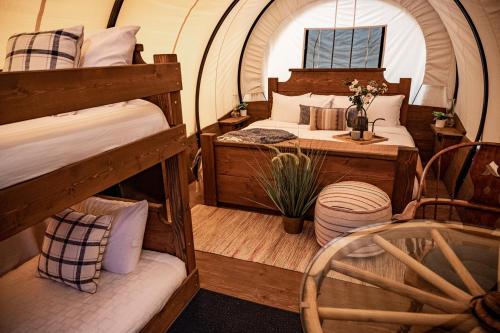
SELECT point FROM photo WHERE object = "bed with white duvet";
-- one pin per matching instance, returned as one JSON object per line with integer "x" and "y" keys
{"x": 35, "y": 147}
{"x": 396, "y": 135}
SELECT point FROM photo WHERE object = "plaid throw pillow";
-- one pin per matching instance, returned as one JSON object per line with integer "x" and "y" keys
{"x": 327, "y": 119}
{"x": 73, "y": 248}
{"x": 44, "y": 50}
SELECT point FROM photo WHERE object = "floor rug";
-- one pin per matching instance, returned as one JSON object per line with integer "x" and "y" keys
{"x": 260, "y": 238}
{"x": 211, "y": 312}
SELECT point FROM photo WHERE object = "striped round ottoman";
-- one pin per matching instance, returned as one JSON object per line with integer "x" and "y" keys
{"x": 344, "y": 206}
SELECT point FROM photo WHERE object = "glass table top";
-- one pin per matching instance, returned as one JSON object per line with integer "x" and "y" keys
{"x": 417, "y": 276}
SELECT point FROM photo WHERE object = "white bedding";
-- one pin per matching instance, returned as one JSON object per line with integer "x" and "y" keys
{"x": 123, "y": 303}
{"x": 34, "y": 147}
{"x": 397, "y": 135}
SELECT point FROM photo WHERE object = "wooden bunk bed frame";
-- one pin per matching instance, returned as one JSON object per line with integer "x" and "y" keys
{"x": 28, "y": 95}
{"x": 229, "y": 168}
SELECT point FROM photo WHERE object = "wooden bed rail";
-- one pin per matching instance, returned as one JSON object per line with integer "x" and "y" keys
{"x": 65, "y": 90}
{"x": 229, "y": 169}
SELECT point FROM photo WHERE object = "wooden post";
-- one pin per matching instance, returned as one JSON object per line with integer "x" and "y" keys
{"x": 404, "y": 180}
{"x": 404, "y": 88}
{"x": 272, "y": 85}
{"x": 178, "y": 194}
{"x": 208, "y": 162}
{"x": 170, "y": 103}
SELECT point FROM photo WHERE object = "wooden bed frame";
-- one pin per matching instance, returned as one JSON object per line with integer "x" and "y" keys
{"x": 228, "y": 168}
{"x": 28, "y": 95}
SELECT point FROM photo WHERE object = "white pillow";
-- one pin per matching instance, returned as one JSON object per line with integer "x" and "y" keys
{"x": 127, "y": 231}
{"x": 17, "y": 249}
{"x": 388, "y": 107}
{"x": 322, "y": 101}
{"x": 287, "y": 108}
{"x": 342, "y": 102}
{"x": 111, "y": 47}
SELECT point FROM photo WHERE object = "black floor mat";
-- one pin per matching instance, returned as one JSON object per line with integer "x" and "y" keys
{"x": 212, "y": 312}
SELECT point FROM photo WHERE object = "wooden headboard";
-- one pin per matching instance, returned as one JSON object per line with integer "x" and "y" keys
{"x": 331, "y": 82}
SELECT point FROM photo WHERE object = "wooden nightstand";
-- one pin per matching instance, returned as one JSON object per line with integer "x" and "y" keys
{"x": 443, "y": 138}
{"x": 232, "y": 123}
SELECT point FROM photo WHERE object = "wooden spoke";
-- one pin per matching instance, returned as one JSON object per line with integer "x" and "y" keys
{"x": 457, "y": 264}
{"x": 423, "y": 271}
{"x": 310, "y": 306}
{"x": 438, "y": 302}
{"x": 393, "y": 317}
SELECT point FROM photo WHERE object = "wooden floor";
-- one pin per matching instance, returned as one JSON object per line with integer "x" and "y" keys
{"x": 256, "y": 261}
{"x": 252, "y": 236}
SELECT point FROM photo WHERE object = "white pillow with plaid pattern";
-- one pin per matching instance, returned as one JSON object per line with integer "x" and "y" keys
{"x": 73, "y": 248}
{"x": 53, "y": 49}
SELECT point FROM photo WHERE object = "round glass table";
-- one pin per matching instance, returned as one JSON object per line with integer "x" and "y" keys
{"x": 427, "y": 277}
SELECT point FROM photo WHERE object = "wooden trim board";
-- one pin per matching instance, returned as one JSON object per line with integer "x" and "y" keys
{"x": 277, "y": 287}
{"x": 64, "y": 90}
{"x": 29, "y": 202}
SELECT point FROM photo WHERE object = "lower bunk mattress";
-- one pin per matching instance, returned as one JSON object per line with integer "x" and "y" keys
{"x": 35, "y": 147}
{"x": 122, "y": 303}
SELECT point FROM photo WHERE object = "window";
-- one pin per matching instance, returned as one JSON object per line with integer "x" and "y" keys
{"x": 344, "y": 47}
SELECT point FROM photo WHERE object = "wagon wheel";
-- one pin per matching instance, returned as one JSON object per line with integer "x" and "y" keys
{"x": 453, "y": 309}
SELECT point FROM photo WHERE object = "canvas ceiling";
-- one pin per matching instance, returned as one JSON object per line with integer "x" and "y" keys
{"x": 185, "y": 26}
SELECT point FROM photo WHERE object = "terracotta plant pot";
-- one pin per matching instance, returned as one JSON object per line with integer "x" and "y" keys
{"x": 293, "y": 225}
{"x": 440, "y": 123}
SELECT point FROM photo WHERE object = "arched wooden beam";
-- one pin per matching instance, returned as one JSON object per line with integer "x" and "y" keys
{"x": 115, "y": 11}
{"x": 202, "y": 66}
{"x": 484, "y": 64}
{"x": 240, "y": 63}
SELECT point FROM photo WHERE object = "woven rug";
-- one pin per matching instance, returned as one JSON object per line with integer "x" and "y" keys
{"x": 260, "y": 238}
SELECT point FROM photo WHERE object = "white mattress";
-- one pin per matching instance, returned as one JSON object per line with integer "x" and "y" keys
{"x": 397, "y": 135}
{"x": 38, "y": 146}
{"x": 123, "y": 303}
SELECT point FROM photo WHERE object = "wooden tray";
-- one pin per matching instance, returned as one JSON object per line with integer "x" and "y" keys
{"x": 347, "y": 138}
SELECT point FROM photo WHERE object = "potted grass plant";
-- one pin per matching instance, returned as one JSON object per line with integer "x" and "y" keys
{"x": 290, "y": 179}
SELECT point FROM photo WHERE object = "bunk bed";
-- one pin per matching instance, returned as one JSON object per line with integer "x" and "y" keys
{"x": 35, "y": 94}
{"x": 229, "y": 167}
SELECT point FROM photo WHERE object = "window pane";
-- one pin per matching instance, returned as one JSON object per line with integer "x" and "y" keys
{"x": 342, "y": 49}
{"x": 359, "y": 47}
{"x": 374, "y": 45}
{"x": 312, "y": 42}
{"x": 325, "y": 49}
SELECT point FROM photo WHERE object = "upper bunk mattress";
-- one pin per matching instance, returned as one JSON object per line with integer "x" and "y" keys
{"x": 38, "y": 146}
{"x": 122, "y": 303}
{"x": 397, "y": 135}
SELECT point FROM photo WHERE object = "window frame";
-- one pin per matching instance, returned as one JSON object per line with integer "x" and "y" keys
{"x": 381, "y": 51}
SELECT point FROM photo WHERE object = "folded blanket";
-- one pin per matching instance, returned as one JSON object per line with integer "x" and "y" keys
{"x": 257, "y": 135}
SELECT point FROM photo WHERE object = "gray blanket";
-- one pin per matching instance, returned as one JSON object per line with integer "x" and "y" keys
{"x": 257, "y": 135}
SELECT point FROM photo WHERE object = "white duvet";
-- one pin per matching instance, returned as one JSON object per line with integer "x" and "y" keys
{"x": 397, "y": 135}
{"x": 38, "y": 146}
{"x": 122, "y": 303}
